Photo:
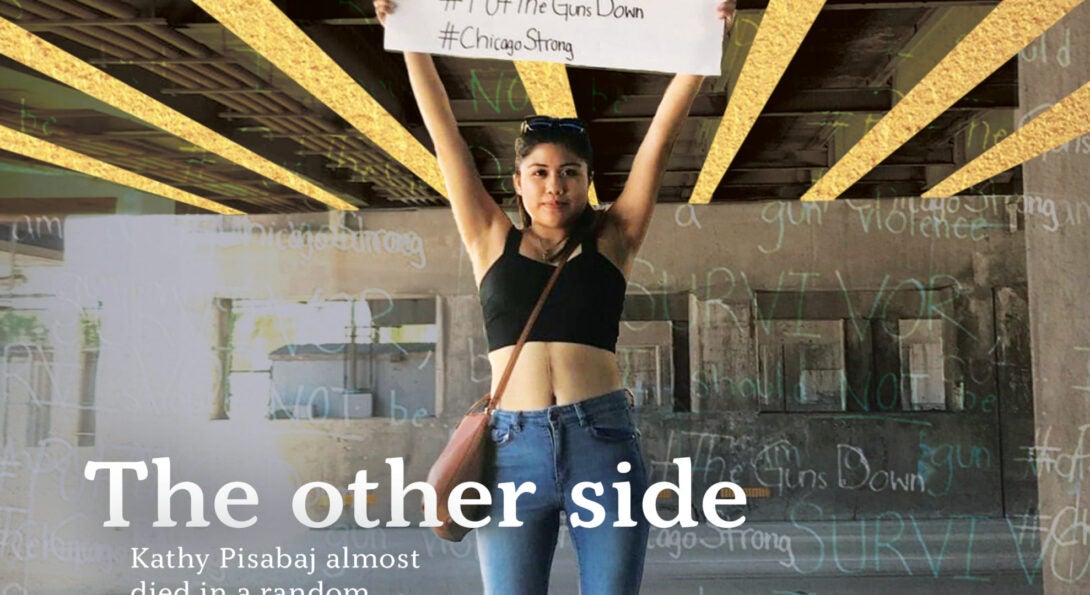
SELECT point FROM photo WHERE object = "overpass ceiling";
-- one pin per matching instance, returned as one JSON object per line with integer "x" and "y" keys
{"x": 839, "y": 83}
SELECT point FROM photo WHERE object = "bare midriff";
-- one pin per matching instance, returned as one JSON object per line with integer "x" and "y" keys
{"x": 550, "y": 373}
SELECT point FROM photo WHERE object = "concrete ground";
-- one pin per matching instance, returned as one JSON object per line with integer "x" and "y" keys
{"x": 958, "y": 555}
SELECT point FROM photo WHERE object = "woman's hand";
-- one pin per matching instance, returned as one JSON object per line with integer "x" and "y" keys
{"x": 725, "y": 10}
{"x": 386, "y": 7}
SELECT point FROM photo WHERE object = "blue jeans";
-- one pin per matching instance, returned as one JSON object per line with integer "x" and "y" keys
{"x": 556, "y": 448}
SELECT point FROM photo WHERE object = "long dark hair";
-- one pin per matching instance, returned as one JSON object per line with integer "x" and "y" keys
{"x": 579, "y": 144}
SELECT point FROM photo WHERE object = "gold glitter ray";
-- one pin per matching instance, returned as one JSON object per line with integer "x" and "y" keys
{"x": 36, "y": 53}
{"x": 1068, "y": 119}
{"x": 783, "y": 27}
{"x": 36, "y": 148}
{"x": 1008, "y": 28}
{"x": 266, "y": 29}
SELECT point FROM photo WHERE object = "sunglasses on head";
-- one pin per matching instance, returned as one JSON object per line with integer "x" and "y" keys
{"x": 538, "y": 123}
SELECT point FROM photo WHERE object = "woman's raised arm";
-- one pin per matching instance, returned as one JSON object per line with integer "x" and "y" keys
{"x": 475, "y": 212}
{"x": 631, "y": 214}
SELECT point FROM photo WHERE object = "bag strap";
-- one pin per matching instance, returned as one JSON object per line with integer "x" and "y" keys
{"x": 568, "y": 249}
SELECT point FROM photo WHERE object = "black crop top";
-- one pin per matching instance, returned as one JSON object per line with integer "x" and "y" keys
{"x": 584, "y": 306}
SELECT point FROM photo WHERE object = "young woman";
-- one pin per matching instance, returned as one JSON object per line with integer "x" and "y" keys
{"x": 564, "y": 417}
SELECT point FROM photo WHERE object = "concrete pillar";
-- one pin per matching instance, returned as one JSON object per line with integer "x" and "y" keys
{"x": 465, "y": 353}
{"x": 223, "y": 337}
{"x": 1057, "y": 247}
{"x": 722, "y": 356}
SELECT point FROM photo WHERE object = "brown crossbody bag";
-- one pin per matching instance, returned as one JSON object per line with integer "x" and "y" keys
{"x": 463, "y": 458}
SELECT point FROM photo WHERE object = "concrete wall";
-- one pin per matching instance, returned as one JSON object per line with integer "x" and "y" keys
{"x": 711, "y": 274}
{"x": 858, "y": 461}
{"x": 1057, "y": 244}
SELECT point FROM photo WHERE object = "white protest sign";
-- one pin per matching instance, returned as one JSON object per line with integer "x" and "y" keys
{"x": 654, "y": 35}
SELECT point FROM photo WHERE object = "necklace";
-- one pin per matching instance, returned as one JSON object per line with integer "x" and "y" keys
{"x": 547, "y": 254}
